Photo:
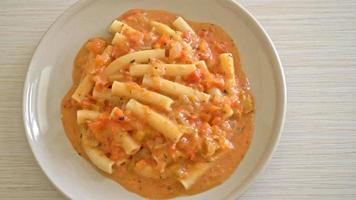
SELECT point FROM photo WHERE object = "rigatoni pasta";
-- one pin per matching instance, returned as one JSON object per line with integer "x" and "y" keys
{"x": 157, "y": 121}
{"x": 138, "y": 57}
{"x": 182, "y": 25}
{"x": 84, "y": 115}
{"x": 227, "y": 65}
{"x": 98, "y": 158}
{"x": 129, "y": 145}
{"x": 118, "y": 38}
{"x": 118, "y": 27}
{"x": 194, "y": 173}
{"x": 173, "y": 88}
{"x": 168, "y": 69}
{"x": 165, "y": 29}
{"x": 132, "y": 90}
{"x": 83, "y": 89}
{"x": 162, "y": 106}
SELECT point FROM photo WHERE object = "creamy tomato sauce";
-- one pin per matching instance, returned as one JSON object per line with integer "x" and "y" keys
{"x": 218, "y": 42}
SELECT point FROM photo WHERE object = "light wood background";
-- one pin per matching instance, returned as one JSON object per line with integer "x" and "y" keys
{"x": 316, "y": 158}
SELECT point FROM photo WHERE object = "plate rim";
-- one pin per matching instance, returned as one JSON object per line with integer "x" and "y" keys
{"x": 280, "y": 114}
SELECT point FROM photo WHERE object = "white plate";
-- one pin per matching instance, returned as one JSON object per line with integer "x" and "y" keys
{"x": 49, "y": 78}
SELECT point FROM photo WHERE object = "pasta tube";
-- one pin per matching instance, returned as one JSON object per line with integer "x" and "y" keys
{"x": 127, "y": 143}
{"x": 227, "y": 65}
{"x": 169, "y": 69}
{"x": 132, "y": 90}
{"x": 182, "y": 25}
{"x": 83, "y": 89}
{"x": 194, "y": 173}
{"x": 165, "y": 29}
{"x": 138, "y": 56}
{"x": 118, "y": 26}
{"x": 85, "y": 115}
{"x": 101, "y": 95}
{"x": 99, "y": 159}
{"x": 202, "y": 65}
{"x": 172, "y": 88}
{"x": 118, "y": 38}
{"x": 159, "y": 122}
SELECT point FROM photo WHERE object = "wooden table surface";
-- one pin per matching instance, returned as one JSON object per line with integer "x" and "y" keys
{"x": 316, "y": 40}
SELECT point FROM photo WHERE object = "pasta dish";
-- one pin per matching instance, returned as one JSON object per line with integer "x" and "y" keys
{"x": 162, "y": 106}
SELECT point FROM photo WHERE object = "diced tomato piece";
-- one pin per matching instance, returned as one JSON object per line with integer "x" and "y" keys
{"x": 220, "y": 47}
{"x": 96, "y": 129}
{"x": 101, "y": 60}
{"x": 115, "y": 127}
{"x": 214, "y": 83}
{"x": 120, "y": 50}
{"x": 205, "y": 116}
{"x": 118, "y": 114}
{"x": 106, "y": 147}
{"x": 203, "y": 127}
{"x": 210, "y": 108}
{"x": 235, "y": 104}
{"x": 101, "y": 82}
{"x": 87, "y": 102}
{"x": 194, "y": 77}
{"x": 96, "y": 126}
{"x": 204, "y": 51}
{"x": 185, "y": 57}
{"x": 149, "y": 38}
{"x": 191, "y": 153}
{"x": 162, "y": 41}
{"x": 217, "y": 121}
{"x": 116, "y": 153}
{"x": 135, "y": 39}
{"x": 187, "y": 37}
{"x": 96, "y": 45}
{"x": 121, "y": 125}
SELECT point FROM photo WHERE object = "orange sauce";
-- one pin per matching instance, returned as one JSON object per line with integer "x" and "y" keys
{"x": 223, "y": 167}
